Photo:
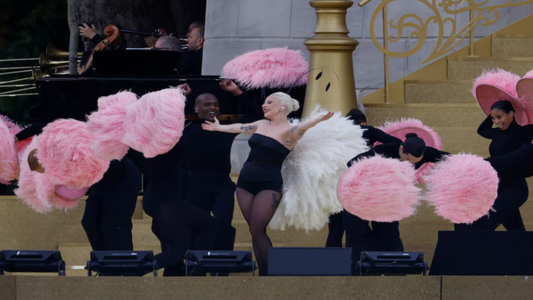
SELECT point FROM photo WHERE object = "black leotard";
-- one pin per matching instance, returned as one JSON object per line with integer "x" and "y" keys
{"x": 262, "y": 169}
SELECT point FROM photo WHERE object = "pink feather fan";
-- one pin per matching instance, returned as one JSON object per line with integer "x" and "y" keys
{"x": 154, "y": 124}
{"x": 379, "y": 189}
{"x": 9, "y": 167}
{"x": 29, "y": 182}
{"x": 64, "y": 150}
{"x": 499, "y": 84}
{"x": 36, "y": 190}
{"x": 272, "y": 68}
{"x": 400, "y": 128}
{"x": 524, "y": 90}
{"x": 107, "y": 125}
{"x": 462, "y": 187}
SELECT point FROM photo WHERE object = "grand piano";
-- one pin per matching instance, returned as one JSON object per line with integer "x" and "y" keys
{"x": 75, "y": 96}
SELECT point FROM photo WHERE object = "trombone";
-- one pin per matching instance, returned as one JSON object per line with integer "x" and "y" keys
{"x": 49, "y": 61}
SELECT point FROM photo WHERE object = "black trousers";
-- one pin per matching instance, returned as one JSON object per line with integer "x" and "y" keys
{"x": 511, "y": 196}
{"x": 215, "y": 193}
{"x": 110, "y": 207}
{"x": 384, "y": 236}
{"x": 335, "y": 230}
{"x": 173, "y": 224}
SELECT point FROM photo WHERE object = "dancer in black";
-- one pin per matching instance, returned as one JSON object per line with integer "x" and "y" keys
{"x": 512, "y": 193}
{"x": 260, "y": 183}
{"x": 173, "y": 217}
{"x": 385, "y": 236}
{"x": 110, "y": 207}
{"x": 208, "y": 164}
{"x": 371, "y": 135}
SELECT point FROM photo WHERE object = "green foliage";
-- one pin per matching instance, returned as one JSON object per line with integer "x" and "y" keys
{"x": 26, "y": 27}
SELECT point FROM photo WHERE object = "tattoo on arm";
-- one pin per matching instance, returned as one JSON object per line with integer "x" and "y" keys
{"x": 275, "y": 202}
{"x": 289, "y": 142}
{"x": 247, "y": 128}
{"x": 300, "y": 132}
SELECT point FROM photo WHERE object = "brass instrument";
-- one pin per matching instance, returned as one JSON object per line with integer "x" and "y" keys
{"x": 47, "y": 62}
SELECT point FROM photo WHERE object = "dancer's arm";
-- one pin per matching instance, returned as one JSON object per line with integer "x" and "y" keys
{"x": 373, "y": 133}
{"x": 29, "y": 131}
{"x": 297, "y": 131}
{"x": 249, "y": 128}
{"x": 431, "y": 155}
{"x": 485, "y": 129}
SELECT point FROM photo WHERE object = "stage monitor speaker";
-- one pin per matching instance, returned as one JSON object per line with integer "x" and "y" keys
{"x": 122, "y": 263}
{"x": 391, "y": 263}
{"x": 215, "y": 261}
{"x": 31, "y": 261}
{"x": 310, "y": 262}
{"x": 483, "y": 253}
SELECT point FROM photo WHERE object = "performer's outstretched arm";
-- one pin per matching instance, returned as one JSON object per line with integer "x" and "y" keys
{"x": 297, "y": 131}
{"x": 249, "y": 128}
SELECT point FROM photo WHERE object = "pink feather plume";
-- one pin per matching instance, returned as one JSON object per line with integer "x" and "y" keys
{"x": 154, "y": 123}
{"x": 9, "y": 166}
{"x": 29, "y": 182}
{"x": 379, "y": 189}
{"x": 64, "y": 150}
{"x": 107, "y": 125}
{"x": 273, "y": 68}
{"x": 462, "y": 187}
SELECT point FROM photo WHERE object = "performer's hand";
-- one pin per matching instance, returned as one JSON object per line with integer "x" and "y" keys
{"x": 185, "y": 88}
{"x": 211, "y": 126}
{"x": 86, "y": 31}
{"x": 229, "y": 86}
{"x": 16, "y": 139}
{"x": 327, "y": 116}
{"x": 151, "y": 40}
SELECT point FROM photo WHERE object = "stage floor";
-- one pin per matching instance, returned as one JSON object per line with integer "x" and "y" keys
{"x": 274, "y": 288}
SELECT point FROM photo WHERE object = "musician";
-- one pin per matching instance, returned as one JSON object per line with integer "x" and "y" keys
{"x": 191, "y": 60}
{"x": 208, "y": 161}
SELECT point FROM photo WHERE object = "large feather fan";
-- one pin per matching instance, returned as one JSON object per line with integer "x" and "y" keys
{"x": 312, "y": 170}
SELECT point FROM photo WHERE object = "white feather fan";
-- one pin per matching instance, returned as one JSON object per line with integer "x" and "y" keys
{"x": 312, "y": 170}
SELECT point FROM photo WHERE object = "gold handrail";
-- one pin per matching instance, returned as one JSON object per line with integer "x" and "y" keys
{"x": 418, "y": 26}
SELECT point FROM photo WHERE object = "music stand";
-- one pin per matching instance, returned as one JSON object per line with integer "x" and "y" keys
{"x": 136, "y": 62}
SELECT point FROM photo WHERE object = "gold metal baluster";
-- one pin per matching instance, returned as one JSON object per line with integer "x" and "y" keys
{"x": 385, "y": 56}
{"x": 471, "y": 50}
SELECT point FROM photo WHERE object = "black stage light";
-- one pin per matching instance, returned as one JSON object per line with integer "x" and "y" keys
{"x": 122, "y": 263}
{"x": 31, "y": 261}
{"x": 215, "y": 261}
{"x": 391, "y": 263}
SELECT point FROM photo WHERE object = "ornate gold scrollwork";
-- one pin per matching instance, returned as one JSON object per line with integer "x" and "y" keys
{"x": 419, "y": 27}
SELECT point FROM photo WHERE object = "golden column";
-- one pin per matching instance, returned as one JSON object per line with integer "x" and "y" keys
{"x": 331, "y": 81}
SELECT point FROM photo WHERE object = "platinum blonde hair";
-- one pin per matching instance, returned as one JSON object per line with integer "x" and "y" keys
{"x": 286, "y": 100}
